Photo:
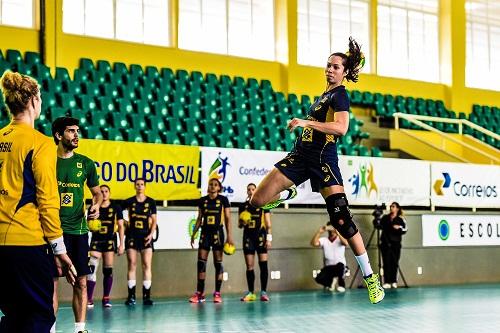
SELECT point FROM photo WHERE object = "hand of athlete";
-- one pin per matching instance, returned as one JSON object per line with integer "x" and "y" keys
{"x": 230, "y": 240}
{"x": 268, "y": 245}
{"x": 296, "y": 122}
{"x": 148, "y": 239}
{"x": 65, "y": 267}
{"x": 93, "y": 212}
{"x": 121, "y": 250}
{"x": 192, "y": 242}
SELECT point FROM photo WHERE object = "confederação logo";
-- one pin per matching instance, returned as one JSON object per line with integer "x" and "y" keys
{"x": 218, "y": 170}
{"x": 444, "y": 230}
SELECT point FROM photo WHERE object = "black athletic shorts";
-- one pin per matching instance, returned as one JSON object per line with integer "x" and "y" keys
{"x": 320, "y": 167}
{"x": 108, "y": 245}
{"x": 213, "y": 239}
{"x": 137, "y": 243}
{"x": 255, "y": 242}
{"x": 26, "y": 288}
{"x": 77, "y": 247}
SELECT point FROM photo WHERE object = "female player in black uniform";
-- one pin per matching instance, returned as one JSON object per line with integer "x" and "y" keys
{"x": 315, "y": 157}
{"x": 139, "y": 238}
{"x": 103, "y": 244}
{"x": 214, "y": 212}
{"x": 256, "y": 238}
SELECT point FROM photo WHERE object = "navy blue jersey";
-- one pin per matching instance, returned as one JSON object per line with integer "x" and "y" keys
{"x": 323, "y": 110}
{"x": 257, "y": 223}
{"x": 109, "y": 217}
{"x": 138, "y": 215}
{"x": 212, "y": 211}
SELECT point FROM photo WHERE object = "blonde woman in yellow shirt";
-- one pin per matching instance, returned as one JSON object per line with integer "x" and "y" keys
{"x": 30, "y": 229}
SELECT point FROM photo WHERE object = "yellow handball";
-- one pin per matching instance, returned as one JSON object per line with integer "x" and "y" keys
{"x": 94, "y": 225}
{"x": 229, "y": 249}
{"x": 245, "y": 216}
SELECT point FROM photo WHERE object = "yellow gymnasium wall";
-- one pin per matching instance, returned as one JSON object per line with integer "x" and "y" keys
{"x": 64, "y": 50}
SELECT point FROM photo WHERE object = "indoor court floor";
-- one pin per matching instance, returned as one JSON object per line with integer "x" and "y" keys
{"x": 467, "y": 308}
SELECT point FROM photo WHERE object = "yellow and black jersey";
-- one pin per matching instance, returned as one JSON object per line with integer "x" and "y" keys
{"x": 323, "y": 110}
{"x": 212, "y": 211}
{"x": 109, "y": 217}
{"x": 257, "y": 223}
{"x": 138, "y": 215}
{"x": 29, "y": 200}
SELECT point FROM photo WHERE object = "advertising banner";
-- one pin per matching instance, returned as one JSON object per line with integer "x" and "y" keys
{"x": 170, "y": 171}
{"x": 460, "y": 230}
{"x": 369, "y": 180}
{"x": 465, "y": 185}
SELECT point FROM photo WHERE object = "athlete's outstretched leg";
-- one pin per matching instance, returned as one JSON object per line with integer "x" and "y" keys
{"x": 270, "y": 188}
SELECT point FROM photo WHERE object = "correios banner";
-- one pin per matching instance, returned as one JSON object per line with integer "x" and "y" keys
{"x": 170, "y": 171}
{"x": 465, "y": 185}
{"x": 460, "y": 230}
{"x": 367, "y": 180}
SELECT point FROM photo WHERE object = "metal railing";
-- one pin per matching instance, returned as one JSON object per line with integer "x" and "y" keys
{"x": 418, "y": 120}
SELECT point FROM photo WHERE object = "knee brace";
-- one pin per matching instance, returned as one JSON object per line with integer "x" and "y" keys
{"x": 202, "y": 266}
{"x": 93, "y": 264}
{"x": 340, "y": 215}
{"x": 219, "y": 269}
{"x": 107, "y": 271}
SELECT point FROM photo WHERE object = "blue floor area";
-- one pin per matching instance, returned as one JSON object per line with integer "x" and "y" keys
{"x": 470, "y": 308}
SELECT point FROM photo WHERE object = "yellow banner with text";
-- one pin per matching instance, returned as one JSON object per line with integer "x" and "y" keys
{"x": 170, "y": 171}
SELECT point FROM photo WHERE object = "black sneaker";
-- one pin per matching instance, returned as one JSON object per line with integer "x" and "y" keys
{"x": 131, "y": 296}
{"x": 146, "y": 296}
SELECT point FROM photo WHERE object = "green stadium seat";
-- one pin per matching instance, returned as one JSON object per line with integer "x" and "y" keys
{"x": 131, "y": 135}
{"x": 112, "y": 134}
{"x": 87, "y": 64}
{"x": 66, "y": 101}
{"x": 266, "y": 85}
{"x": 14, "y": 57}
{"x": 376, "y": 152}
{"x": 86, "y": 103}
{"x": 120, "y": 69}
{"x": 41, "y": 72}
{"x": 367, "y": 99}
{"x": 356, "y": 97}
{"x": 182, "y": 76}
{"x": 91, "y": 132}
{"x": 211, "y": 79}
{"x": 239, "y": 82}
{"x": 136, "y": 71}
{"x": 56, "y": 112}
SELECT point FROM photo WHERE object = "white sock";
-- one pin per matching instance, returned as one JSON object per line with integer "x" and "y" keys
{"x": 131, "y": 283}
{"x": 364, "y": 264}
{"x": 146, "y": 284}
{"x": 53, "y": 328}
{"x": 79, "y": 327}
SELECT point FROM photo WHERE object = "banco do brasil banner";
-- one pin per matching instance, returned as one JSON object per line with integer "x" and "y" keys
{"x": 170, "y": 171}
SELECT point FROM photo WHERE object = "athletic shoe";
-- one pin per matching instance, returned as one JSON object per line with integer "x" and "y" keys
{"x": 395, "y": 285}
{"x": 217, "y": 297}
{"x": 106, "y": 302}
{"x": 292, "y": 193}
{"x": 341, "y": 289}
{"x": 90, "y": 304}
{"x": 264, "y": 297}
{"x": 147, "y": 301}
{"x": 375, "y": 291}
{"x": 130, "y": 301}
{"x": 85, "y": 331}
{"x": 249, "y": 297}
{"x": 386, "y": 286}
{"x": 197, "y": 298}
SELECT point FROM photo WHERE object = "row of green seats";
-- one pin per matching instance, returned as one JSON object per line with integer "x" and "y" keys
{"x": 93, "y": 97}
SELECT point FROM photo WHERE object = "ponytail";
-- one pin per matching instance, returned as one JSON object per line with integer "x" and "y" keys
{"x": 353, "y": 60}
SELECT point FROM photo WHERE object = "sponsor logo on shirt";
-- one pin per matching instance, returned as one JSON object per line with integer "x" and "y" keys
{"x": 5, "y": 147}
{"x": 66, "y": 199}
{"x": 79, "y": 165}
{"x": 61, "y": 184}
